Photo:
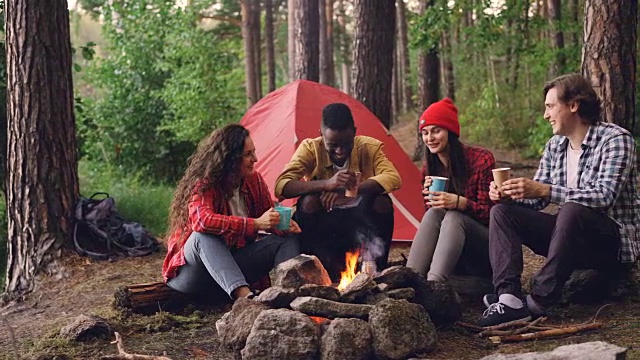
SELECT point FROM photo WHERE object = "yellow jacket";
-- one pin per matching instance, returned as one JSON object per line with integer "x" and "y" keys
{"x": 311, "y": 162}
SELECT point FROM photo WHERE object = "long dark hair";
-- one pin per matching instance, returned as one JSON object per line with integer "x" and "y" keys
{"x": 216, "y": 161}
{"x": 457, "y": 172}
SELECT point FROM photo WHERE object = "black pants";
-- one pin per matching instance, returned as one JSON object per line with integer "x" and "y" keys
{"x": 330, "y": 234}
{"x": 577, "y": 237}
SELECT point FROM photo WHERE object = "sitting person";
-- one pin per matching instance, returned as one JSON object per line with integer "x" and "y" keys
{"x": 219, "y": 206}
{"x": 589, "y": 169}
{"x": 330, "y": 163}
{"x": 453, "y": 233}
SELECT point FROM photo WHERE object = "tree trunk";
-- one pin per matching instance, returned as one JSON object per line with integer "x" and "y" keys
{"x": 269, "y": 45}
{"x": 609, "y": 57}
{"x": 42, "y": 176}
{"x": 557, "y": 37}
{"x": 306, "y": 40}
{"x": 291, "y": 43}
{"x": 572, "y": 6}
{"x": 428, "y": 81}
{"x": 256, "y": 31}
{"x": 327, "y": 70}
{"x": 447, "y": 67}
{"x": 396, "y": 96}
{"x": 404, "y": 59}
{"x": 345, "y": 50}
{"x": 373, "y": 56}
{"x": 249, "y": 53}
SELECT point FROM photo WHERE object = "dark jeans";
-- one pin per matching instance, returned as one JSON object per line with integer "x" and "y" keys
{"x": 330, "y": 234}
{"x": 577, "y": 237}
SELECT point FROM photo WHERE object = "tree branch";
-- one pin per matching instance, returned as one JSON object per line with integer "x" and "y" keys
{"x": 123, "y": 355}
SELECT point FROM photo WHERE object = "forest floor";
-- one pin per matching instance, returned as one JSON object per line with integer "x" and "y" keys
{"x": 30, "y": 328}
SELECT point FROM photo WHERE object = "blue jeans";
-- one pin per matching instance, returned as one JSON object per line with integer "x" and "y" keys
{"x": 211, "y": 265}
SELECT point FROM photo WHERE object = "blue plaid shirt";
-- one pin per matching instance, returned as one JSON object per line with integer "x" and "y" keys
{"x": 607, "y": 180}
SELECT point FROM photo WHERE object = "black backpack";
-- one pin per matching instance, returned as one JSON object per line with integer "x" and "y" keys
{"x": 102, "y": 234}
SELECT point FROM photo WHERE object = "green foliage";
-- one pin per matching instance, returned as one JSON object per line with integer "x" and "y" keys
{"x": 164, "y": 85}
{"x": 136, "y": 199}
{"x": 501, "y": 62}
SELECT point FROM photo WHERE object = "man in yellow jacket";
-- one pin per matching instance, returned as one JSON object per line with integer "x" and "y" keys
{"x": 326, "y": 173}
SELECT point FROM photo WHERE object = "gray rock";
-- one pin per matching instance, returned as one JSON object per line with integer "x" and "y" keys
{"x": 595, "y": 350}
{"x": 346, "y": 339}
{"x": 440, "y": 300}
{"x": 87, "y": 327}
{"x": 277, "y": 297}
{"x": 361, "y": 285}
{"x": 374, "y": 297}
{"x": 234, "y": 327}
{"x": 402, "y": 293}
{"x": 330, "y": 309}
{"x": 401, "y": 329}
{"x": 397, "y": 277}
{"x": 319, "y": 291}
{"x": 476, "y": 286}
{"x": 301, "y": 270}
{"x": 282, "y": 334}
{"x": 586, "y": 286}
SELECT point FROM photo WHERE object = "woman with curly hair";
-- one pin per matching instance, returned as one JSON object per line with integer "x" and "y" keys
{"x": 219, "y": 206}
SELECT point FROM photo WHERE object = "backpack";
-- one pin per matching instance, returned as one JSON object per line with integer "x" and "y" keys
{"x": 102, "y": 234}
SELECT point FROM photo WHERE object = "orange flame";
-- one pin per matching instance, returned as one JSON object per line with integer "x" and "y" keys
{"x": 349, "y": 274}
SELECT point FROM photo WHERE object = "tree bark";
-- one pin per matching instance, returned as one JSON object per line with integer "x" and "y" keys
{"x": 373, "y": 56}
{"x": 572, "y": 6}
{"x": 447, "y": 67}
{"x": 306, "y": 40}
{"x": 557, "y": 38}
{"x": 256, "y": 31}
{"x": 327, "y": 70}
{"x": 42, "y": 176}
{"x": 428, "y": 81}
{"x": 345, "y": 49}
{"x": 269, "y": 45}
{"x": 609, "y": 57}
{"x": 291, "y": 44}
{"x": 404, "y": 59}
{"x": 248, "y": 20}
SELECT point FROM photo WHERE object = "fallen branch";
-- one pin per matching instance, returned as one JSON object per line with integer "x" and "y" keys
{"x": 123, "y": 355}
{"x": 515, "y": 331}
{"x": 470, "y": 326}
{"x": 546, "y": 333}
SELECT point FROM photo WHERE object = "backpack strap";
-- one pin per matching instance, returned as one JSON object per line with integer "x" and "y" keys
{"x": 84, "y": 252}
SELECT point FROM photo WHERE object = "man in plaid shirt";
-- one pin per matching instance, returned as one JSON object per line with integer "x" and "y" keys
{"x": 589, "y": 169}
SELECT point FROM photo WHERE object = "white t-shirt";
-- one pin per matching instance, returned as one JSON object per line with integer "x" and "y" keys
{"x": 237, "y": 205}
{"x": 573, "y": 157}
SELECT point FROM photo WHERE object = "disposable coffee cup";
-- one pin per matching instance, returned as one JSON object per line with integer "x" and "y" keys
{"x": 353, "y": 192}
{"x": 285, "y": 217}
{"x": 501, "y": 175}
{"x": 438, "y": 183}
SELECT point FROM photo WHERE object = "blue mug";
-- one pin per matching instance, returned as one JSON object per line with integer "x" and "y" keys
{"x": 285, "y": 217}
{"x": 438, "y": 183}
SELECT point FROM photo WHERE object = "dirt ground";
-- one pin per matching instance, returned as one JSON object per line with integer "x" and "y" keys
{"x": 30, "y": 328}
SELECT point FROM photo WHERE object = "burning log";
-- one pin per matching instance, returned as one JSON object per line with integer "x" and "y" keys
{"x": 330, "y": 309}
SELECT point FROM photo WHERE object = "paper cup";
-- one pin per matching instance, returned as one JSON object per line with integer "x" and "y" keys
{"x": 354, "y": 191}
{"x": 285, "y": 217}
{"x": 438, "y": 183}
{"x": 501, "y": 175}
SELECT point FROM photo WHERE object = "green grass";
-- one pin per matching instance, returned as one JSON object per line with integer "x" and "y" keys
{"x": 136, "y": 200}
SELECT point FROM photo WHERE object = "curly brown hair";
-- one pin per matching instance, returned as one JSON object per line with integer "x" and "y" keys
{"x": 216, "y": 162}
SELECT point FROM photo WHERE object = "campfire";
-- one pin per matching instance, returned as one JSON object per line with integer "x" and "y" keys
{"x": 347, "y": 276}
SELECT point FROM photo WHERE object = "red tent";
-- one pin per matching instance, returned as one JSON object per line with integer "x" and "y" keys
{"x": 292, "y": 113}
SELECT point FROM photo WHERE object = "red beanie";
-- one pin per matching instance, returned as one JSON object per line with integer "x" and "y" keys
{"x": 444, "y": 114}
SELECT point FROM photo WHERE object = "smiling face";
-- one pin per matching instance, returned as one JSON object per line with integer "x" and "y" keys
{"x": 436, "y": 139}
{"x": 249, "y": 158}
{"x": 561, "y": 116}
{"x": 338, "y": 144}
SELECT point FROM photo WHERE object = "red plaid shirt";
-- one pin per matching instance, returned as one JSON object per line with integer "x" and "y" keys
{"x": 480, "y": 162}
{"x": 209, "y": 212}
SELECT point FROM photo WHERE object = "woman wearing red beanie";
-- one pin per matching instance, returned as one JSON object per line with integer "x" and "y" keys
{"x": 453, "y": 235}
